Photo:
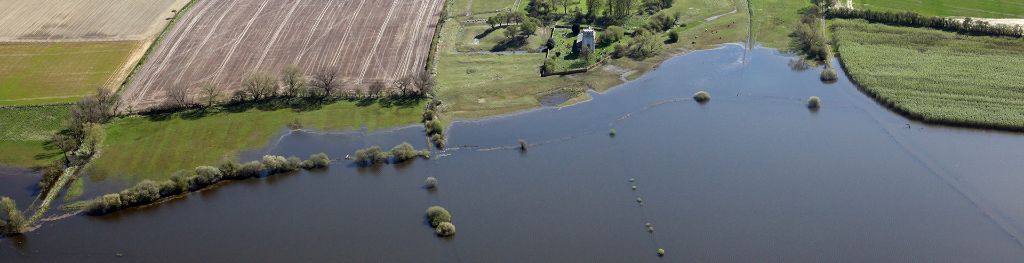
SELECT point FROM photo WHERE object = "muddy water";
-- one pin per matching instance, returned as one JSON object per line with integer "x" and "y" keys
{"x": 752, "y": 176}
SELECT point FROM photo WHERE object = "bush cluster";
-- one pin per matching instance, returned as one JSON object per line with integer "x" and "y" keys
{"x": 431, "y": 182}
{"x": 402, "y": 152}
{"x": 814, "y": 102}
{"x": 829, "y": 75}
{"x": 14, "y": 221}
{"x": 148, "y": 192}
{"x": 441, "y": 220}
{"x": 432, "y": 122}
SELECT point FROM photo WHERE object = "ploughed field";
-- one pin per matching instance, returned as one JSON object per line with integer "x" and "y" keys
{"x": 220, "y": 42}
{"x": 64, "y": 20}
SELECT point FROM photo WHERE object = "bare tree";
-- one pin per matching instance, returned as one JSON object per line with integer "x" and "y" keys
{"x": 211, "y": 94}
{"x": 424, "y": 82}
{"x": 177, "y": 97}
{"x": 376, "y": 89}
{"x": 293, "y": 81}
{"x": 403, "y": 85}
{"x": 326, "y": 80}
{"x": 260, "y": 86}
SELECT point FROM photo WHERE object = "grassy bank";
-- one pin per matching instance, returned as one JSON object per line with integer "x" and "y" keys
{"x": 937, "y": 76}
{"x": 24, "y": 132}
{"x": 139, "y": 148}
{"x": 971, "y": 8}
{"x": 486, "y": 84}
{"x": 47, "y": 73}
{"x": 774, "y": 20}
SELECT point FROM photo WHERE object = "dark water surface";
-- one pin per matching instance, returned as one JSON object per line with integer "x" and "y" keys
{"x": 752, "y": 176}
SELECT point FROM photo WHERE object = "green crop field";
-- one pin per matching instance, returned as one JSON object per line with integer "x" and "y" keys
{"x": 46, "y": 73}
{"x": 139, "y": 148}
{"x": 25, "y": 130}
{"x": 971, "y": 8}
{"x": 937, "y": 76}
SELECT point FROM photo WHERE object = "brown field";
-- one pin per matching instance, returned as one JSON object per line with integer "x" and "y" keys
{"x": 219, "y": 42}
{"x": 83, "y": 20}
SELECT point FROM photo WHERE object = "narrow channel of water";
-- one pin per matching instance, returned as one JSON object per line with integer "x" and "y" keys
{"x": 752, "y": 176}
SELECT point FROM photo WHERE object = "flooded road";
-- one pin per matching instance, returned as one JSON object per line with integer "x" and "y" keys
{"x": 751, "y": 176}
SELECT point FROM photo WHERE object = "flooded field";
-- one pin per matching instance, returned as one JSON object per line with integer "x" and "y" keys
{"x": 751, "y": 176}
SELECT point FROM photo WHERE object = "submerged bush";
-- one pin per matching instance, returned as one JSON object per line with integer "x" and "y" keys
{"x": 249, "y": 169}
{"x": 275, "y": 164}
{"x": 661, "y": 252}
{"x": 438, "y": 140}
{"x": 814, "y": 102}
{"x": 316, "y": 161}
{"x": 445, "y": 229}
{"x": 104, "y": 204}
{"x": 431, "y": 182}
{"x": 612, "y": 132}
{"x": 702, "y": 96}
{"x": 371, "y": 155}
{"x": 405, "y": 151}
{"x": 829, "y": 75}
{"x": 144, "y": 192}
{"x": 438, "y": 215}
{"x": 15, "y": 222}
{"x": 229, "y": 169}
{"x": 181, "y": 180}
{"x": 205, "y": 176}
{"x": 523, "y": 145}
{"x": 294, "y": 163}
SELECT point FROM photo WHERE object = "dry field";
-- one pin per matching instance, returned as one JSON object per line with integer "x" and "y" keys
{"x": 219, "y": 42}
{"x": 82, "y": 20}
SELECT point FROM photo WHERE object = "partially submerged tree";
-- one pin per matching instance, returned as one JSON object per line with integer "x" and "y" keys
{"x": 14, "y": 221}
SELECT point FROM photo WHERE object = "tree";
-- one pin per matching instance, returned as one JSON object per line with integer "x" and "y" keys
{"x": 211, "y": 94}
{"x": 259, "y": 86}
{"x": 493, "y": 21}
{"x": 376, "y": 89}
{"x": 586, "y": 53}
{"x": 611, "y": 35}
{"x": 511, "y": 32}
{"x": 594, "y": 7}
{"x": 645, "y": 44}
{"x": 619, "y": 9}
{"x": 528, "y": 27}
{"x": 424, "y": 82}
{"x": 292, "y": 79}
{"x": 93, "y": 109}
{"x": 404, "y": 85}
{"x": 177, "y": 97}
{"x": 326, "y": 80}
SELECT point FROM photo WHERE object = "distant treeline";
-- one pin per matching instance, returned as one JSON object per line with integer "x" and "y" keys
{"x": 964, "y": 26}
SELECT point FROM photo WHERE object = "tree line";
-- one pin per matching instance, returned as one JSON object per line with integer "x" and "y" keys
{"x": 966, "y": 26}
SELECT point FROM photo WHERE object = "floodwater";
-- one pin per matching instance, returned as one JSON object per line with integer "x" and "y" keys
{"x": 752, "y": 176}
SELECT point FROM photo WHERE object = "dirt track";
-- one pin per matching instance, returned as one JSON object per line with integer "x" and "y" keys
{"x": 83, "y": 20}
{"x": 220, "y": 41}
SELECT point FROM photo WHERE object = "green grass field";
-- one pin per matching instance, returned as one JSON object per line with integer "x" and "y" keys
{"x": 25, "y": 130}
{"x": 495, "y": 40}
{"x": 939, "y": 77}
{"x": 139, "y": 148}
{"x": 971, "y": 8}
{"x": 774, "y": 20}
{"x": 46, "y": 73}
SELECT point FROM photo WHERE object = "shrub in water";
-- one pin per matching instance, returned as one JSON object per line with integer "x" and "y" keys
{"x": 445, "y": 229}
{"x": 438, "y": 140}
{"x": 438, "y": 215}
{"x": 250, "y": 169}
{"x": 702, "y": 96}
{"x": 661, "y": 252}
{"x": 275, "y": 164}
{"x": 105, "y": 204}
{"x": 431, "y": 182}
{"x": 15, "y": 221}
{"x": 181, "y": 180}
{"x": 316, "y": 161}
{"x": 371, "y": 155}
{"x": 434, "y": 127}
{"x": 405, "y": 151}
{"x": 294, "y": 163}
{"x": 612, "y": 132}
{"x": 229, "y": 169}
{"x": 814, "y": 102}
{"x": 168, "y": 188}
{"x": 523, "y": 145}
{"x": 829, "y": 75}
{"x": 144, "y": 192}
{"x": 207, "y": 175}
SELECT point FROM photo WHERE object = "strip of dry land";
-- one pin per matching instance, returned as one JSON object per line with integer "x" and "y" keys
{"x": 220, "y": 42}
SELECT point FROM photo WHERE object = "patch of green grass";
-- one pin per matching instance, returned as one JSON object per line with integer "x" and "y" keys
{"x": 495, "y": 40}
{"x": 47, "y": 73}
{"x": 971, "y": 8}
{"x": 460, "y": 7}
{"x": 24, "y": 132}
{"x": 138, "y": 148}
{"x": 774, "y": 20}
{"x": 937, "y": 76}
